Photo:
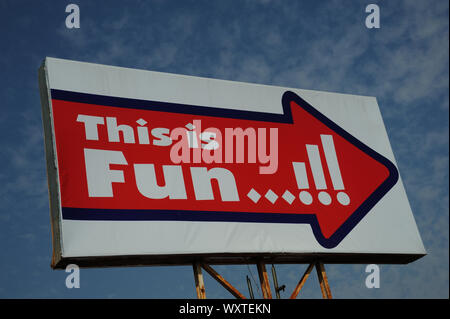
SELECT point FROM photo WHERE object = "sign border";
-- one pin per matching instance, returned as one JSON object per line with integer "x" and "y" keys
{"x": 194, "y": 215}
{"x": 52, "y": 168}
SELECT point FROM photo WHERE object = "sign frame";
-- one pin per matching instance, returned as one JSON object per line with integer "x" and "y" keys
{"x": 59, "y": 261}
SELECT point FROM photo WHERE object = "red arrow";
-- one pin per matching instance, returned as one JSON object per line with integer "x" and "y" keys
{"x": 325, "y": 177}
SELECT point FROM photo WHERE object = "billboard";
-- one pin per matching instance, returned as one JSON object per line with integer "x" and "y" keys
{"x": 154, "y": 168}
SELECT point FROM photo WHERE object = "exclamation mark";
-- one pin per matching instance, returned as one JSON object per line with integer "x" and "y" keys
{"x": 317, "y": 171}
{"x": 333, "y": 168}
{"x": 302, "y": 182}
{"x": 315, "y": 163}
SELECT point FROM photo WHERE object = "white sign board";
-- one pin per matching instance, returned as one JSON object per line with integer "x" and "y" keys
{"x": 155, "y": 168}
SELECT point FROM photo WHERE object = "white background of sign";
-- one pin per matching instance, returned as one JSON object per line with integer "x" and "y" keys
{"x": 388, "y": 228}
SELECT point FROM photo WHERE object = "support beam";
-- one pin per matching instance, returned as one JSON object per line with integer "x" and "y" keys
{"x": 275, "y": 283}
{"x": 264, "y": 280}
{"x": 199, "y": 284}
{"x": 323, "y": 281}
{"x": 250, "y": 289}
{"x": 302, "y": 281}
{"x": 223, "y": 282}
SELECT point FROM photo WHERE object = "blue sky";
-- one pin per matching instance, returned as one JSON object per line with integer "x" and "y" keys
{"x": 318, "y": 45}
